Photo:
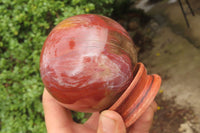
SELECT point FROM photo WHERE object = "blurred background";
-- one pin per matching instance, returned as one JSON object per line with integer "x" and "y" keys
{"x": 167, "y": 36}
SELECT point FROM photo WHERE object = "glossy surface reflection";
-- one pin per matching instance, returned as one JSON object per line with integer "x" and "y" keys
{"x": 87, "y": 62}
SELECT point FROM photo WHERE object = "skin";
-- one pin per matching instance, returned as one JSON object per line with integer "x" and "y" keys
{"x": 59, "y": 120}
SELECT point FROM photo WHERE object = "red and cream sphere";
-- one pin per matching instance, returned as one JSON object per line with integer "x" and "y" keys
{"x": 87, "y": 62}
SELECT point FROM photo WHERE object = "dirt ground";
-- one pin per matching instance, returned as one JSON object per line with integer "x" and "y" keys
{"x": 174, "y": 53}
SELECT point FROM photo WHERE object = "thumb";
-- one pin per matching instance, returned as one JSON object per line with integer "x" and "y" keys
{"x": 111, "y": 122}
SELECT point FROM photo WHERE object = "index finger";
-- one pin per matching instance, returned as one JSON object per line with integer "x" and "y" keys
{"x": 56, "y": 116}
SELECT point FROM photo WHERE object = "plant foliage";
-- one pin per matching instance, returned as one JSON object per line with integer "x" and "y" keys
{"x": 24, "y": 25}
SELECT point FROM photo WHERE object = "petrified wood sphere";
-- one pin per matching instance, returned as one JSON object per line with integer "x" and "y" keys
{"x": 87, "y": 62}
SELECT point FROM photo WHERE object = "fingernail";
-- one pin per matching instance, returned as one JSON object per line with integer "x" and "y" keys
{"x": 108, "y": 124}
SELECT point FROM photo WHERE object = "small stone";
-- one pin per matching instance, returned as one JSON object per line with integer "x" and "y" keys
{"x": 185, "y": 128}
{"x": 133, "y": 25}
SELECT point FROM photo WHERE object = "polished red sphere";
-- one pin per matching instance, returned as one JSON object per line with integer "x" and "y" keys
{"x": 87, "y": 62}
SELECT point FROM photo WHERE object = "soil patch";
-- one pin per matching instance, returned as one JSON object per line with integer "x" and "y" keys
{"x": 170, "y": 116}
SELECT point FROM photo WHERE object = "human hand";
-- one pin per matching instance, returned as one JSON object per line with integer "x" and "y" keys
{"x": 59, "y": 120}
